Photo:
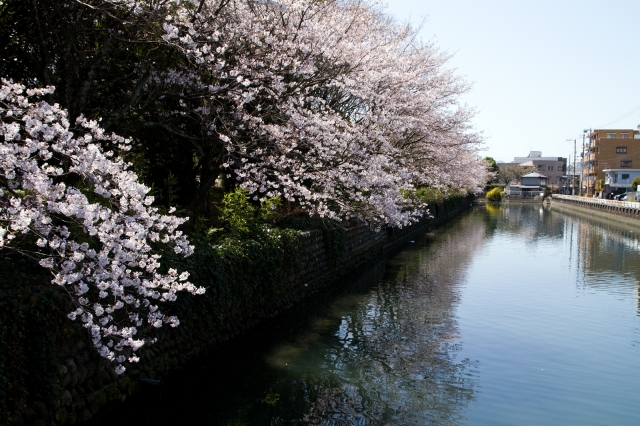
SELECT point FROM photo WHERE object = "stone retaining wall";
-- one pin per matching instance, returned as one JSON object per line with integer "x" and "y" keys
{"x": 86, "y": 383}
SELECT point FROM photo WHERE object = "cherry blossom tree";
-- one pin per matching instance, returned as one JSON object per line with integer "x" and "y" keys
{"x": 330, "y": 104}
{"x": 83, "y": 215}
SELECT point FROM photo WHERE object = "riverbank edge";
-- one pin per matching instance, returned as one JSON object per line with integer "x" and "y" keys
{"x": 83, "y": 384}
{"x": 620, "y": 211}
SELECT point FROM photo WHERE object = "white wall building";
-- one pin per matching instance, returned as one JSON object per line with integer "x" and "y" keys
{"x": 617, "y": 181}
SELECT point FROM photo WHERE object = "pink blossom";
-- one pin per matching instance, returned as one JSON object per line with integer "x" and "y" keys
{"x": 123, "y": 227}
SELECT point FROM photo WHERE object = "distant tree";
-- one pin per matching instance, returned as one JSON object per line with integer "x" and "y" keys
{"x": 510, "y": 172}
{"x": 635, "y": 183}
{"x": 492, "y": 168}
{"x": 492, "y": 165}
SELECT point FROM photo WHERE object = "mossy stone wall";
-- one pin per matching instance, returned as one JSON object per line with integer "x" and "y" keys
{"x": 49, "y": 374}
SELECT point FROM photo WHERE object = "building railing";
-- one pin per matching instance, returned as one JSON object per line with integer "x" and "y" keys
{"x": 618, "y": 182}
{"x": 523, "y": 195}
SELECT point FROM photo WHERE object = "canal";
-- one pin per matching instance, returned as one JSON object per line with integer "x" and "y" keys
{"x": 508, "y": 315}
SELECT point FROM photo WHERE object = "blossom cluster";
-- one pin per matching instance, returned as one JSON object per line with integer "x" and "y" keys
{"x": 85, "y": 216}
{"x": 330, "y": 105}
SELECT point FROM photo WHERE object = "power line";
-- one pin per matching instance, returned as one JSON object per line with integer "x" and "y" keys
{"x": 625, "y": 115}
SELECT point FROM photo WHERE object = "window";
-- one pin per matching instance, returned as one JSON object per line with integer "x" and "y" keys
{"x": 625, "y": 176}
{"x": 611, "y": 135}
{"x": 625, "y": 163}
{"x": 621, "y": 149}
{"x": 624, "y": 135}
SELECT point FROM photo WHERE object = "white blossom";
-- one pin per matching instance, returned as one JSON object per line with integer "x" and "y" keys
{"x": 332, "y": 105}
{"x": 125, "y": 269}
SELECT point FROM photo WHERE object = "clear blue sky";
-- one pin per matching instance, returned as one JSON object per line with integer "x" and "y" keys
{"x": 542, "y": 70}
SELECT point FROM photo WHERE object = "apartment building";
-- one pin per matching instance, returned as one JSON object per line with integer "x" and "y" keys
{"x": 552, "y": 167}
{"x": 608, "y": 149}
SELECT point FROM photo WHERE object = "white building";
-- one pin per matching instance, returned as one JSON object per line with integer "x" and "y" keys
{"x": 617, "y": 181}
{"x": 531, "y": 185}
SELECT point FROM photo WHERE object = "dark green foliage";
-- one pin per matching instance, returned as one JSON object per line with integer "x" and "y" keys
{"x": 32, "y": 317}
{"x": 245, "y": 276}
{"x": 237, "y": 212}
{"x": 241, "y": 216}
{"x": 434, "y": 197}
{"x": 492, "y": 167}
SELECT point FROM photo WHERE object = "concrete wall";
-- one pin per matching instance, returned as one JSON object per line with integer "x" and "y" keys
{"x": 619, "y": 211}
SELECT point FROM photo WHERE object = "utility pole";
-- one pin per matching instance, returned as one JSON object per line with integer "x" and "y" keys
{"x": 573, "y": 174}
{"x": 569, "y": 182}
{"x": 584, "y": 132}
{"x": 582, "y": 166}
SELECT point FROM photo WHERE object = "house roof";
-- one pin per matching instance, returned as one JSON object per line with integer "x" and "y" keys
{"x": 533, "y": 175}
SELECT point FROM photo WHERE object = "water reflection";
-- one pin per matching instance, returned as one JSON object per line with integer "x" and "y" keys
{"x": 507, "y": 299}
{"x": 389, "y": 356}
{"x": 532, "y": 221}
{"x": 383, "y": 352}
{"x": 555, "y": 327}
{"x": 606, "y": 253}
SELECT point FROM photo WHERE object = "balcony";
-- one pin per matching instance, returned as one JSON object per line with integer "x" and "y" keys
{"x": 616, "y": 182}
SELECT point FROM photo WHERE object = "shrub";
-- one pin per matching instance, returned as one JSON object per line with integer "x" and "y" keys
{"x": 240, "y": 215}
{"x": 599, "y": 184}
{"x": 495, "y": 194}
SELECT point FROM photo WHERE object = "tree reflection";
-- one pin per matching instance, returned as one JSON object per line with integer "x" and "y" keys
{"x": 390, "y": 355}
{"x": 385, "y": 352}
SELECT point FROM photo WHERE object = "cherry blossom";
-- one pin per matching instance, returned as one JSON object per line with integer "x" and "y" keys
{"x": 91, "y": 221}
{"x": 331, "y": 105}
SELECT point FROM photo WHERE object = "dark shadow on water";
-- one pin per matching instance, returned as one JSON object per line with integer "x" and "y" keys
{"x": 383, "y": 350}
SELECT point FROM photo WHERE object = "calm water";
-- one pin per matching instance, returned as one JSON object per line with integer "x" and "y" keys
{"x": 514, "y": 315}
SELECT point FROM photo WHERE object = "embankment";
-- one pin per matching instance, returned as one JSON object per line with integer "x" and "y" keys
{"x": 620, "y": 211}
{"x": 49, "y": 374}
